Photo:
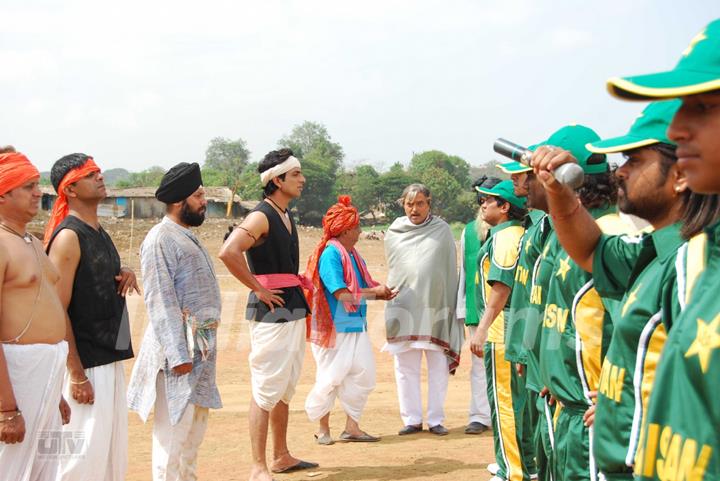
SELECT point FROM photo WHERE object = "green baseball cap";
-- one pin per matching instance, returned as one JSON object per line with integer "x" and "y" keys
{"x": 514, "y": 167}
{"x": 650, "y": 127}
{"x": 697, "y": 71}
{"x": 506, "y": 191}
{"x": 575, "y": 139}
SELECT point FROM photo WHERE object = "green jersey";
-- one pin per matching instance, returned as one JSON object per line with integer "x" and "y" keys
{"x": 680, "y": 435}
{"x": 576, "y": 324}
{"x": 520, "y": 300}
{"x": 640, "y": 271}
{"x": 497, "y": 260}
{"x": 469, "y": 247}
{"x": 540, "y": 280}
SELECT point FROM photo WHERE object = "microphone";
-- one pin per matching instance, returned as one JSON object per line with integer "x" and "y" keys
{"x": 571, "y": 175}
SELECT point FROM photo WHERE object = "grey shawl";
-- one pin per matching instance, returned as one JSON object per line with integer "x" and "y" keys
{"x": 178, "y": 275}
{"x": 422, "y": 263}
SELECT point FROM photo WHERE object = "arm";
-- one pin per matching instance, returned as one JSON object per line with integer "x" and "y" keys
{"x": 499, "y": 294}
{"x": 576, "y": 229}
{"x": 381, "y": 292}
{"x": 11, "y": 431}
{"x": 232, "y": 254}
{"x": 163, "y": 308}
{"x": 65, "y": 255}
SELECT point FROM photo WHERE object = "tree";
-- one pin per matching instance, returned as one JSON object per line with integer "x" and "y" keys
{"x": 322, "y": 158}
{"x": 250, "y": 187}
{"x": 362, "y": 185}
{"x": 390, "y": 187}
{"x": 455, "y": 166}
{"x": 226, "y": 159}
{"x": 147, "y": 178}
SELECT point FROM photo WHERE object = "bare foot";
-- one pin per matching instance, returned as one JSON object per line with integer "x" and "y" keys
{"x": 260, "y": 473}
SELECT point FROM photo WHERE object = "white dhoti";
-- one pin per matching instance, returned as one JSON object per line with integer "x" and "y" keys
{"x": 479, "y": 405}
{"x": 103, "y": 426}
{"x": 346, "y": 371}
{"x": 175, "y": 447}
{"x": 276, "y": 356}
{"x": 36, "y": 374}
{"x": 408, "y": 364}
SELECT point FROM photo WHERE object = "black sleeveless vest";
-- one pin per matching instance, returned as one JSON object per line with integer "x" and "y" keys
{"x": 279, "y": 254}
{"x": 98, "y": 314}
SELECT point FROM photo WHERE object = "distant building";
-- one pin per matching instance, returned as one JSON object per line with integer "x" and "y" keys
{"x": 142, "y": 199}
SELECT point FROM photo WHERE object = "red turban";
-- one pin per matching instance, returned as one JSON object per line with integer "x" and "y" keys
{"x": 61, "y": 208}
{"x": 339, "y": 218}
{"x": 15, "y": 170}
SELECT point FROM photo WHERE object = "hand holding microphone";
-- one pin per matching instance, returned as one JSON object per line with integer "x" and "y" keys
{"x": 560, "y": 162}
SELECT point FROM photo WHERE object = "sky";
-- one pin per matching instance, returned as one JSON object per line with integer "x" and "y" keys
{"x": 143, "y": 83}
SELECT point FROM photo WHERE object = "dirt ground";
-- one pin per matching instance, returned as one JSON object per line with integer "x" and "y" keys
{"x": 225, "y": 452}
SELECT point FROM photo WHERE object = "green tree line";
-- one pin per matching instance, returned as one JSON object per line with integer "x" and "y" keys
{"x": 374, "y": 193}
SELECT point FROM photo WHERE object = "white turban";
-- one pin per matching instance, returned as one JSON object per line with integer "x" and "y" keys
{"x": 289, "y": 164}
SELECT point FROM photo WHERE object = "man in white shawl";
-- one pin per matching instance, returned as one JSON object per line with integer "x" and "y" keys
{"x": 422, "y": 264}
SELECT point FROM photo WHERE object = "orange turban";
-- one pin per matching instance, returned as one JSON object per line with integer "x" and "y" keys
{"x": 15, "y": 170}
{"x": 339, "y": 218}
{"x": 61, "y": 208}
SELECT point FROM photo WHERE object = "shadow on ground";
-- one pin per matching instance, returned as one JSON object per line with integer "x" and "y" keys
{"x": 420, "y": 468}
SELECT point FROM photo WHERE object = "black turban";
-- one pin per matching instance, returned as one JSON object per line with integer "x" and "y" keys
{"x": 179, "y": 183}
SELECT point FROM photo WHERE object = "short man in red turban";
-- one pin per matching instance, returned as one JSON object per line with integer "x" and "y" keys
{"x": 338, "y": 325}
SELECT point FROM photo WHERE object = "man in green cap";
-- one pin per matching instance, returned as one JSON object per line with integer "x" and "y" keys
{"x": 472, "y": 237}
{"x": 637, "y": 271}
{"x": 679, "y": 438}
{"x": 497, "y": 260}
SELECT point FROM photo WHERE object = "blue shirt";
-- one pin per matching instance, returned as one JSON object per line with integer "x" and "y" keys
{"x": 331, "y": 275}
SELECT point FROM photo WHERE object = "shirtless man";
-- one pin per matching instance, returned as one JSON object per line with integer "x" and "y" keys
{"x": 33, "y": 350}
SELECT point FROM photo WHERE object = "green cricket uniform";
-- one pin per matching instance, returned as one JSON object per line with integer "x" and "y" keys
{"x": 470, "y": 247}
{"x": 576, "y": 331}
{"x": 497, "y": 261}
{"x": 520, "y": 300}
{"x": 681, "y": 429}
{"x": 640, "y": 271}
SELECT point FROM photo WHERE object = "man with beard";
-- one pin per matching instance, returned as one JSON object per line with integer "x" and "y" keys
{"x": 175, "y": 369}
{"x": 679, "y": 437}
{"x": 92, "y": 289}
{"x": 276, "y": 308}
{"x": 638, "y": 271}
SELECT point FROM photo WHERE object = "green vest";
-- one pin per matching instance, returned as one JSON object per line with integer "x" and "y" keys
{"x": 472, "y": 246}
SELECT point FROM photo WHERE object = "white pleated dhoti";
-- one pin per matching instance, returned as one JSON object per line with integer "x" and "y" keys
{"x": 36, "y": 374}
{"x": 276, "y": 357}
{"x": 479, "y": 405}
{"x": 346, "y": 371}
{"x": 103, "y": 426}
{"x": 408, "y": 364}
{"x": 175, "y": 447}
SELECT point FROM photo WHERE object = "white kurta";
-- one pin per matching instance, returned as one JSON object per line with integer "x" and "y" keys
{"x": 346, "y": 371}
{"x": 36, "y": 374}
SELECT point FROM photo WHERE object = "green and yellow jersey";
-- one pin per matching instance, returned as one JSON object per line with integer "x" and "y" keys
{"x": 530, "y": 250}
{"x": 681, "y": 428}
{"x": 576, "y": 324}
{"x": 469, "y": 247}
{"x": 540, "y": 280}
{"x": 496, "y": 261}
{"x": 639, "y": 271}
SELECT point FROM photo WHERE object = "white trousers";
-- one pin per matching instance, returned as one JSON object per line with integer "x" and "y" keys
{"x": 346, "y": 371}
{"x": 175, "y": 448}
{"x": 407, "y": 375}
{"x": 101, "y": 428}
{"x": 36, "y": 374}
{"x": 479, "y": 405}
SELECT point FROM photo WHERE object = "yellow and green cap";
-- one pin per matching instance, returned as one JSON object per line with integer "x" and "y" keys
{"x": 575, "y": 139}
{"x": 697, "y": 71}
{"x": 505, "y": 191}
{"x": 649, "y": 128}
{"x": 514, "y": 167}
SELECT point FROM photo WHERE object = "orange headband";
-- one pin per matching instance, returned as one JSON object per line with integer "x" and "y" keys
{"x": 61, "y": 208}
{"x": 15, "y": 170}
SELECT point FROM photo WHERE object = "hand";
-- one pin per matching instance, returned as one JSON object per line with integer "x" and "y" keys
{"x": 545, "y": 392}
{"x": 545, "y": 160}
{"x": 64, "y": 410}
{"x": 182, "y": 369}
{"x": 12, "y": 431}
{"x": 126, "y": 281}
{"x": 383, "y": 293}
{"x": 520, "y": 368}
{"x": 82, "y": 393}
{"x": 270, "y": 297}
{"x": 477, "y": 344}
{"x": 589, "y": 416}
